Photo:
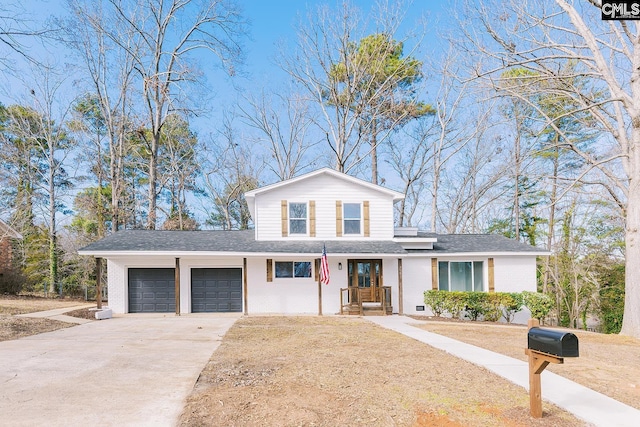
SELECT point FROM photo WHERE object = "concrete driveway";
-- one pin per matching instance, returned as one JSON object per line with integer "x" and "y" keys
{"x": 129, "y": 370}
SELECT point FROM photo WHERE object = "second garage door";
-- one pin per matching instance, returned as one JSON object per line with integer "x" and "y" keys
{"x": 152, "y": 290}
{"x": 216, "y": 290}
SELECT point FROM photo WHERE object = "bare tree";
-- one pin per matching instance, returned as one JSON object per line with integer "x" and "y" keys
{"x": 110, "y": 76}
{"x": 543, "y": 37}
{"x": 473, "y": 186}
{"x": 284, "y": 127}
{"x": 573, "y": 271}
{"x": 15, "y": 30}
{"x": 179, "y": 169}
{"x": 347, "y": 76}
{"x": 459, "y": 119}
{"x": 412, "y": 164}
{"x": 45, "y": 145}
{"x": 231, "y": 170}
{"x": 161, "y": 37}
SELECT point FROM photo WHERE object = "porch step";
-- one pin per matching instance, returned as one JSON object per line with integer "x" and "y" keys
{"x": 368, "y": 309}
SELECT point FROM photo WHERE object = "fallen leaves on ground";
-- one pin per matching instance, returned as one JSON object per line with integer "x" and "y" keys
{"x": 608, "y": 363}
{"x": 329, "y": 371}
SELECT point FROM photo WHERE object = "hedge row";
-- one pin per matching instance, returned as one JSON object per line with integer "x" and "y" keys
{"x": 487, "y": 306}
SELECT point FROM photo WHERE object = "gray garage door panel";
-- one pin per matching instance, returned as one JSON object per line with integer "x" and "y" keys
{"x": 216, "y": 290}
{"x": 152, "y": 290}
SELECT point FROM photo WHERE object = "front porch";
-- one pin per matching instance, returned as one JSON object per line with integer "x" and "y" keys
{"x": 365, "y": 294}
{"x": 357, "y": 301}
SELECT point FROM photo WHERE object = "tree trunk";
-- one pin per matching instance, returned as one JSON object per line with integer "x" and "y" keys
{"x": 115, "y": 162}
{"x": 153, "y": 181}
{"x": 100, "y": 211}
{"x": 434, "y": 192}
{"x": 53, "y": 250}
{"x": 631, "y": 320}
{"x": 552, "y": 215}
{"x": 374, "y": 152}
{"x": 516, "y": 193}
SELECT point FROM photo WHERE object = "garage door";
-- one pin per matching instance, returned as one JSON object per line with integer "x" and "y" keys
{"x": 216, "y": 290}
{"x": 152, "y": 290}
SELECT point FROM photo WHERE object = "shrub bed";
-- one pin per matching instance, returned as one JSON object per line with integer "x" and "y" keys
{"x": 487, "y": 306}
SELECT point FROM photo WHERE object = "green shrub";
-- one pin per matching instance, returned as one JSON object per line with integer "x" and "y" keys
{"x": 493, "y": 310}
{"x": 539, "y": 304}
{"x": 611, "y": 279}
{"x": 489, "y": 306}
{"x": 476, "y": 305}
{"x": 436, "y": 301}
{"x": 512, "y": 303}
{"x": 611, "y": 309}
{"x": 455, "y": 302}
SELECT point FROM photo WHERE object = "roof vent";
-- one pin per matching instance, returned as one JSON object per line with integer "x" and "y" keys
{"x": 405, "y": 231}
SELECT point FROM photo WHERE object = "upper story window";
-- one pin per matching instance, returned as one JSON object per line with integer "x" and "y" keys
{"x": 297, "y": 218}
{"x": 352, "y": 217}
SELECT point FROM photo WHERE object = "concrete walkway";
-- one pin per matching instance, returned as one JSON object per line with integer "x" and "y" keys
{"x": 588, "y": 405}
{"x": 59, "y": 314}
{"x": 132, "y": 370}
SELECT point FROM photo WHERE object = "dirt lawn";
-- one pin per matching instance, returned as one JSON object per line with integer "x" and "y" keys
{"x": 334, "y": 371}
{"x": 327, "y": 371}
{"x": 12, "y": 327}
{"x": 609, "y": 364}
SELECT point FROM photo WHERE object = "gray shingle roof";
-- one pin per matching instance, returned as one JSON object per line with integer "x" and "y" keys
{"x": 228, "y": 241}
{"x": 244, "y": 242}
{"x": 466, "y": 243}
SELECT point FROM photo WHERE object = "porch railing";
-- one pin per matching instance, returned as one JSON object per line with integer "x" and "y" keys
{"x": 351, "y": 298}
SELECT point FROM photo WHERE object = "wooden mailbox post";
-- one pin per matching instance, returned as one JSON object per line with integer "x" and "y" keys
{"x": 544, "y": 347}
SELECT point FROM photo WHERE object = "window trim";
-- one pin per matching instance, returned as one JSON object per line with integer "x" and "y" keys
{"x": 473, "y": 275}
{"x": 345, "y": 219}
{"x": 291, "y": 218}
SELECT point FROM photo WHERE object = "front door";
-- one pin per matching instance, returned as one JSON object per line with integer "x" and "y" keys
{"x": 366, "y": 275}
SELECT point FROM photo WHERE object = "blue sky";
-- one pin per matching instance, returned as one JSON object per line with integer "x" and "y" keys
{"x": 275, "y": 20}
{"x": 270, "y": 22}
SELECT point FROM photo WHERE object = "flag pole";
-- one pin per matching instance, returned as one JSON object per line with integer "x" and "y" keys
{"x": 319, "y": 287}
{"x": 323, "y": 276}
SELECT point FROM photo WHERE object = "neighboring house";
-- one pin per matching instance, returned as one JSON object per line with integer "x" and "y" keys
{"x": 7, "y": 237}
{"x": 274, "y": 268}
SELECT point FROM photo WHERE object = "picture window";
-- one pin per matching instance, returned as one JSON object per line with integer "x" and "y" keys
{"x": 463, "y": 276}
{"x": 293, "y": 269}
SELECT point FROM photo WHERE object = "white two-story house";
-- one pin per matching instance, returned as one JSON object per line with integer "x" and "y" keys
{"x": 275, "y": 267}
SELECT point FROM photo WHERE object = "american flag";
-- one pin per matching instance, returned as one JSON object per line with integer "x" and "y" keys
{"x": 324, "y": 267}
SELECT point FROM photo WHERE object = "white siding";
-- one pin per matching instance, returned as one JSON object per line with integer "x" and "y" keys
{"x": 293, "y": 295}
{"x": 118, "y": 277}
{"x": 116, "y": 286}
{"x": 515, "y": 273}
{"x": 300, "y": 295}
{"x": 511, "y": 274}
{"x": 390, "y": 278}
{"x": 325, "y": 190}
{"x": 117, "y": 271}
{"x": 416, "y": 279}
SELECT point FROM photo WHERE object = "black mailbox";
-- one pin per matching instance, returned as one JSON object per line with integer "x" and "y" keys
{"x": 558, "y": 343}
